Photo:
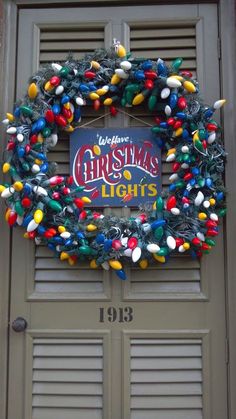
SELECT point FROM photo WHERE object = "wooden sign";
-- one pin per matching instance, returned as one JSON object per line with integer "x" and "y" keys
{"x": 117, "y": 166}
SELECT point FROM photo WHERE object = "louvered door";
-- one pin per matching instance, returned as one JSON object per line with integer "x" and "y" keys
{"x": 96, "y": 347}
{"x": 67, "y": 377}
{"x": 166, "y": 376}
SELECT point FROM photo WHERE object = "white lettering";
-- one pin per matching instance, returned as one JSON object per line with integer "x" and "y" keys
{"x": 115, "y": 139}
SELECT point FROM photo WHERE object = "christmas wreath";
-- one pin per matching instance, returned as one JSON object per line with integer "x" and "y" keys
{"x": 55, "y": 212}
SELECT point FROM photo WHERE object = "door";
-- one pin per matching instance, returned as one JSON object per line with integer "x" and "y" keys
{"x": 96, "y": 347}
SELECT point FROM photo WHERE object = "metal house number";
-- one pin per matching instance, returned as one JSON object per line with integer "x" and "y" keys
{"x": 113, "y": 314}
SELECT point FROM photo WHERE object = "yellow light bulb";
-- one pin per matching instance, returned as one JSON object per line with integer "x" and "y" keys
{"x": 115, "y": 264}
{"x": 108, "y": 101}
{"x": 189, "y": 86}
{"x": 160, "y": 259}
{"x": 127, "y": 175}
{"x": 101, "y": 92}
{"x": 91, "y": 227}
{"x": 93, "y": 96}
{"x": 121, "y": 51}
{"x": 212, "y": 201}
{"x": 138, "y": 99}
{"x": 115, "y": 79}
{"x": 10, "y": 117}
{"x": 143, "y": 264}
{"x": 32, "y": 91}
{"x": 48, "y": 86}
{"x": 93, "y": 264}
{"x": 202, "y": 216}
{"x": 171, "y": 151}
{"x": 6, "y": 167}
{"x": 37, "y": 161}
{"x": 86, "y": 200}
{"x": 97, "y": 150}
{"x": 67, "y": 105}
{"x": 64, "y": 256}
{"x": 7, "y": 213}
{"x": 61, "y": 229}
{"x": 38, "y": 216}
{"x": 18, "y": 186}
{"x": 179, "y": 132}
{"x": 95, "y": 65}
{"x": 196, "y": 136}
{"x": 69, "y": 129}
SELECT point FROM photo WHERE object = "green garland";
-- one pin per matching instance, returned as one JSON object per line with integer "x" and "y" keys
{"x": 56, "y": 213}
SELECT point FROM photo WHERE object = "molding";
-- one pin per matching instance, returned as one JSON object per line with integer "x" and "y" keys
{"x": 7, "y": 88}
{"x": 228, "y": 63}
{"x": 98, "y": 3}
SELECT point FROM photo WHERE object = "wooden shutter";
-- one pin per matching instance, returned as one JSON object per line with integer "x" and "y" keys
{"x": 167, "y": 40}
{"x": 67, "y": 380}
{"x": 166, "y": 378}
{"x": 51, "y": 276}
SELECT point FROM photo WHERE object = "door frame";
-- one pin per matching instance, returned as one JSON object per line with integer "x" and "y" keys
{"x": 227, "y": 19}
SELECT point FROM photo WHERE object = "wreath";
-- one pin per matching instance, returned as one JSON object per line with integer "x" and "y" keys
{"x": 56, "y": 213}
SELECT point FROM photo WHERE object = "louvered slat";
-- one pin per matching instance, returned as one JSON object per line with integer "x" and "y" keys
{"x": 165, "y": 41}
{"x": 166, "y": 378}
{"x": 62, "y": 413}
{"x": 53, "y": 276}
{"x": 56, "y": 43}
{"x": 180, "y": 275}
{"x": 67, "y": 374}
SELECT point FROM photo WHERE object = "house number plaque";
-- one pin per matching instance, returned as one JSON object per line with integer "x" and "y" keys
{"x": 113, "y": 314}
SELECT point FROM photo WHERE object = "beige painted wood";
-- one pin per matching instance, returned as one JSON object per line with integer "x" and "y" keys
{"x": 7, "y": 66}
{"x": 228, "y": 63}
{"x": 82, "y": 3}
{"x": 162, "y": 321}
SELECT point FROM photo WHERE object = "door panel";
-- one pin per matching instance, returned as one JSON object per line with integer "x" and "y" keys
{"x": 166, "y": 375}
{"x": 95, "y": 347}
{"x": 67, "y": 375}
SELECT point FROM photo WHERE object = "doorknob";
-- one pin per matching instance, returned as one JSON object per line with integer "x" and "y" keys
{"x": 19, "y": 324}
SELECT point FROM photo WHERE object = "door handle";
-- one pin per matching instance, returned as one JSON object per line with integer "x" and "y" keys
{"x": 19, "y": 324}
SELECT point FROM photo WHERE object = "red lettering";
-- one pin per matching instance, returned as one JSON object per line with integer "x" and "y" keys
{"x": 119, "y": 158}
{"x": 139, "y": 156}
{"x": 88, "y": 168}
{"x": 154, "y": 170}
{"x": 78, "y": 171}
